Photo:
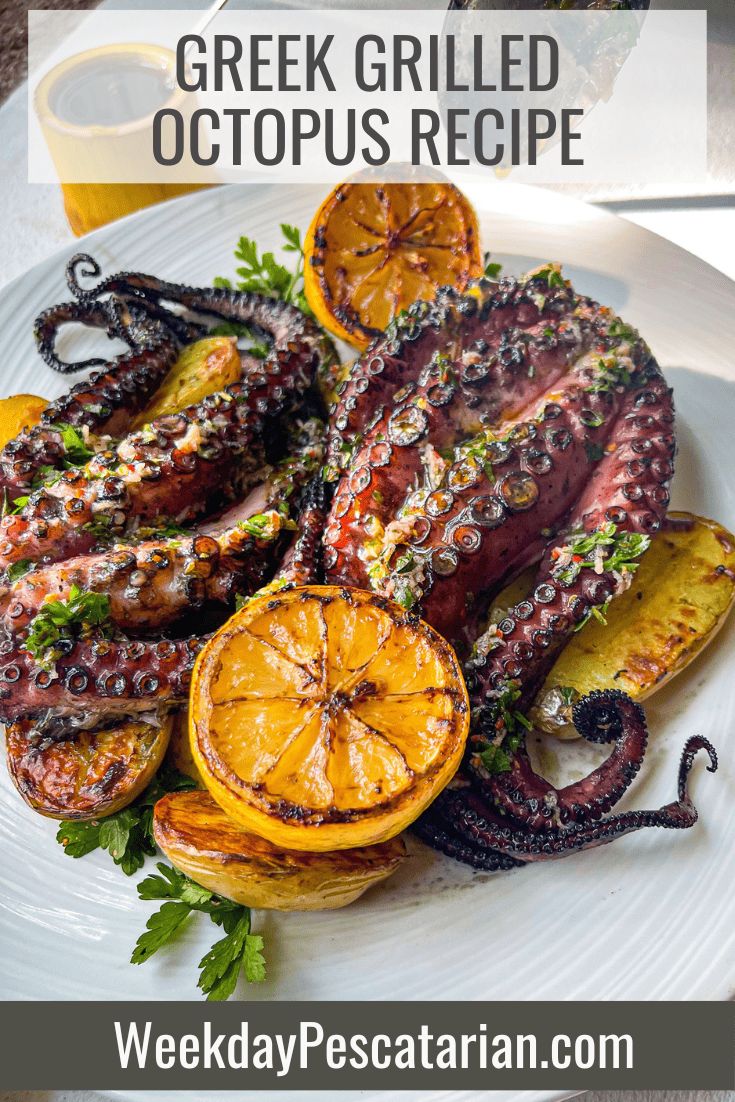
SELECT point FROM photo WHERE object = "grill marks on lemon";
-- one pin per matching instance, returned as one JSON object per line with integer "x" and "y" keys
{"x": 374, "y": 249}
{"x": 327, "y": 718}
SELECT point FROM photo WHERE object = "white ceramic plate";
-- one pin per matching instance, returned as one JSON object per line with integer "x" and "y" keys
{"x": 649, "y": 917}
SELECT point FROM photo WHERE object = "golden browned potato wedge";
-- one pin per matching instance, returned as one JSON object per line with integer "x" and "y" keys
{"x": 19, "y": 412}
{"x": 179, "y": 753}
{"x": 680, "y": 596}
{"x": 88, "y": 776}
{"x": 200, "y": 840}
{"x": 201, "y": 369}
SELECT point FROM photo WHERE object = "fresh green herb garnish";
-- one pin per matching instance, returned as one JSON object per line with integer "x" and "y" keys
{"x": 128, "y": 834}
{"x": 551, "y": 276}
{"x": 619, "y": 328}
{"x": 18, "y": 569}
{"x": 238, "y": 951}
{"x": 404, "y": 594}
{"x": 404, "y": 562}
{"x": 495, "y": 760}
{"x": 612, "y": 374}
{"x": 67, "y": 619}
{"x": 266, "y": 526}
{"x": 263, "y": 273}
{"x": 568, "y": 695}
{"x": 492, "y": 268}
{"x": 505, "y": 727}
{"x": 77, "y": 453}
{"x": 619, "y": 552}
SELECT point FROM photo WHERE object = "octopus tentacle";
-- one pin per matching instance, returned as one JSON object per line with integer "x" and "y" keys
{"x": 179, "y": 466}
{"x": 483, "y": 826}
{"x": 152, "y": 583}
{"x": 442, "y": 838}
{"x": 94, "y": 677}
{"x": 602, "y": 716}
{"x": 104, "y": 403}
{"x": 301, "y": 564}
{"x": 274, "y": 318}
{"x": 492, "y": 329}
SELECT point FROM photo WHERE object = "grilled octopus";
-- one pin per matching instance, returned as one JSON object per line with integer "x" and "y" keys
{"x": 159, "y": 520}
{"x": 516, "y": 423}
{"x": 513, "y": 424}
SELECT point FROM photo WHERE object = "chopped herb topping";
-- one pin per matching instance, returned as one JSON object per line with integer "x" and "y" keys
{"x": 76, "y": 450}
{"x": 603, "y": 550}
{"x": 67, "y": 619}
{"x": 503, "y": 728}
{"x": 266, "y": 526}
{"x": 550, "y": 274}
{"x": 568, "y": 695}
{"x": 18, "y": 569}
{"x": 492, "y": 268}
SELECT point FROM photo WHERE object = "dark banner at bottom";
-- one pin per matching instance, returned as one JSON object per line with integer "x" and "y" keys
{"x": 391, "y": 1045}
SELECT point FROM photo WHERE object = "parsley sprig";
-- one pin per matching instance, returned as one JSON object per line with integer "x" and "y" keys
{"x": 550, "y": 274}
{"x": 128, "y": 834}
{"x": 67, "y": 619}
{"x": 239, "y": 951}
{"x": 261, "y": 272}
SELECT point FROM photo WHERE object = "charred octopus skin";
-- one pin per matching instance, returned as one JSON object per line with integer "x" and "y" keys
{"x": 516, "y": 423}
{"x": 180, "y": 466}
{"x": 105, "y": 402}
{"x": 139, "y": 527}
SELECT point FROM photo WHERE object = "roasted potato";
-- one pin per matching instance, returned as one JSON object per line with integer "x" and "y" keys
{"x": 203, "y": 842}
{"x": 680, "y": 596}
{"x": 19, "y": 412}
{"x": 179, "y": 753}
{"x": 87, "y": 776}
{"x": 201, "y": 369}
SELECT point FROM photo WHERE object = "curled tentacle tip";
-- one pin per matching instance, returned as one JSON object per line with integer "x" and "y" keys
{"x": 692, "y": 745}
{"x": 599, "y": 716}
{"x": 84, "y": 266}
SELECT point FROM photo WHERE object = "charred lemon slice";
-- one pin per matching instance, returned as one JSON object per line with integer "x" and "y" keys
{"x": 373, "y": 249}
{"x": 200, "y": 840}
{"x": 324, "y": 718}
{"x": 22, "y": 411}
